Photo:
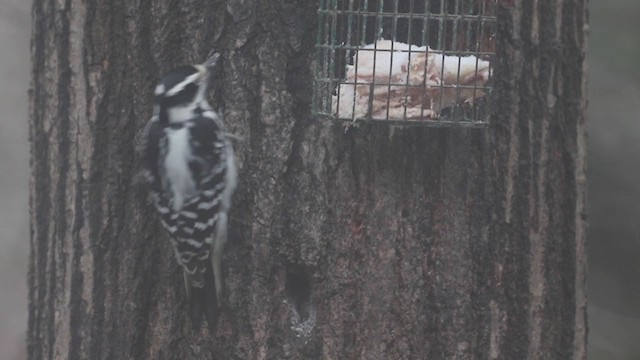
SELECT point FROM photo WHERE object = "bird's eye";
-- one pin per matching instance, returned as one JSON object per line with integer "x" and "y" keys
{"x": 190, "y": 88}
{"x": 187, "y": 94}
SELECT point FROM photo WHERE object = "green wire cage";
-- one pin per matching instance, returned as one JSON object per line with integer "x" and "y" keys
{"x": 405, "y": 62}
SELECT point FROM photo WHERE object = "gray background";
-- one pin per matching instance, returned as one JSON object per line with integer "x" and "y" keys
{"x": 614, "y": 187}
{"x": 614, "y": 170}
{"x": 15, "y": 31}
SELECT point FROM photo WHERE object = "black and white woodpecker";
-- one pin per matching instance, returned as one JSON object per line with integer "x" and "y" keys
{"x": 191, "y": 170}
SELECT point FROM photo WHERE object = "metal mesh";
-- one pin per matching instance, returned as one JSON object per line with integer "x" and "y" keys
{"x": 405, "y": 62}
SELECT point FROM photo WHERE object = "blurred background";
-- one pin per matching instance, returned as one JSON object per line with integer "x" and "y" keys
{"x": 15, "y": 32}
{"x": 613, "y": 158}
{"x": 613, "y": 236}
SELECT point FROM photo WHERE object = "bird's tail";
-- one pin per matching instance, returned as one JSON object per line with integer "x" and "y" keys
{"x": 201, "y": 295}
{"x": 203, "y": 278}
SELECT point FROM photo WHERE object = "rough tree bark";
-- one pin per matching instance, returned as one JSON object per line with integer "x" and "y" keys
{"x": 366, "y": 243}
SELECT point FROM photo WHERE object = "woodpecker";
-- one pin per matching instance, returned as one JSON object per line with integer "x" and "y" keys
{"x": 191, "y": 173}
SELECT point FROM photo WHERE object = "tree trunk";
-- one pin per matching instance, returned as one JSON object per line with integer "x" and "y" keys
{"x": 368, "y": 243}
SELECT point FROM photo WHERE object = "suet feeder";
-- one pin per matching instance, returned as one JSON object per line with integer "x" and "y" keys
{"x": 405, "y": 62}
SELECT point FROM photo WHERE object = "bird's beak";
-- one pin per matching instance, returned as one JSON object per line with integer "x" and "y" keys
{"x": 212, "y": 60}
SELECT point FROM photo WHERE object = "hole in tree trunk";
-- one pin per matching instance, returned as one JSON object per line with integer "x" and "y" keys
{"x": 298, "y": 289}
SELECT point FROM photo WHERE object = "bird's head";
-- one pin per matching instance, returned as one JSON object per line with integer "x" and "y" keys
{"x": 183, "y": 89}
